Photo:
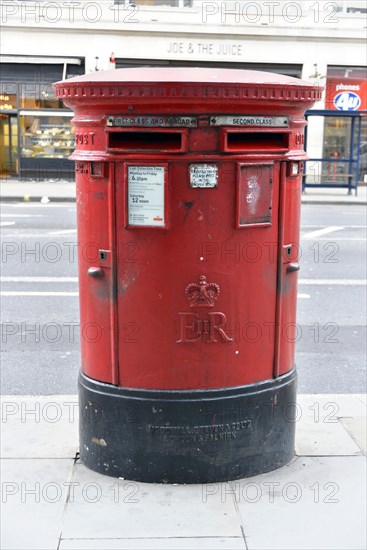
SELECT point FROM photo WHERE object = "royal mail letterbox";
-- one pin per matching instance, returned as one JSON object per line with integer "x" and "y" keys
{"x": 188, "y": 201}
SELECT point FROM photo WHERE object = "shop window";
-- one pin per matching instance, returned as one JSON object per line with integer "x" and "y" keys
{"x": 338, "y": 142}
{"x": 32, "y": 83}
{"x": 360, "y": 149}
{"x": 337, "y": 134}
{"x": 8, "y": 144}
{"x": 38, "y": 95}
{"x": 8, "y": 101}
{"x": 343, "y": 161}
{"x": 46, "y": 136}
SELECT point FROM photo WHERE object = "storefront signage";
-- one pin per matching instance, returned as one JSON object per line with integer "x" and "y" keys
{"x": 346, "y": 94}
{"x": 152, "y": 120}
{"x": 347, "y": 101}
{"x": 221, "y": 49}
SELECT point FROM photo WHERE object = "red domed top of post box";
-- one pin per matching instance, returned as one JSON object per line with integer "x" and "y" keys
{"x": 190, "y": 90}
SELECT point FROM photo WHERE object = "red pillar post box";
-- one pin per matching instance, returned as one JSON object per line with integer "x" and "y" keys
{"x": 188, "y": 201}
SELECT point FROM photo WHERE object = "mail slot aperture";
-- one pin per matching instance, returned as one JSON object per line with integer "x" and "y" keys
{"x": 248, "y": 141}
{"x": 147, "y": 140}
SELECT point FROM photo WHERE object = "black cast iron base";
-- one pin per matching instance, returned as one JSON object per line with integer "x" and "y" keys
{"x": 187, "y": 436}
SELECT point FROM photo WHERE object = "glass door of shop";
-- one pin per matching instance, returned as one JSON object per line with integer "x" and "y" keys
{"x": 345, "y": 147}
{"x": 341, "y": 162}
{"x": 8, "y": 145}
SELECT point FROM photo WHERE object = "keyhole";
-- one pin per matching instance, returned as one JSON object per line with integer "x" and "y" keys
{"x": 102, "y": 255}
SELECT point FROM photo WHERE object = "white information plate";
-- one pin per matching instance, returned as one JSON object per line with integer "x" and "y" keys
{"x": 203, "y": 175}
{"x": 146, "y": 195}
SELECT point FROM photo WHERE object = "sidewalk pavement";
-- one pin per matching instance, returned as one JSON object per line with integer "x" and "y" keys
{"x": 51, "y": 501}
{"x": 13, "y": 190}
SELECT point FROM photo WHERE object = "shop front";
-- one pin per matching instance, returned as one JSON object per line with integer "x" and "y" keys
{"x": 36, "y": 136}
{"x": 9, "y": 144}
{"x": 47, "y": 140}
{"x": 342, "y": 162}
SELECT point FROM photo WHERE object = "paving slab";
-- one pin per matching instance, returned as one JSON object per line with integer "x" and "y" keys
{"x": 34, "y": 493}
{"x": 328, "y": 407}
{"x": 357, "y": 429}
{"x": 320, "y": 430}
{"x": 48, "y": 190}
{"x": 323, "y": 438}
{"x": 123, "y": 509}
{"x": 39, "y": 427}
{"x": 313, "y": 503}
{"x": 322, "y": 195}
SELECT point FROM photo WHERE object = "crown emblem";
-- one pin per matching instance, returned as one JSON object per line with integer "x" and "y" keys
{"x": 202, "y": 293}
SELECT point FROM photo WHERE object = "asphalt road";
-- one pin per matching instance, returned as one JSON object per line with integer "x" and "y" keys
{"x": 40, "y": 334}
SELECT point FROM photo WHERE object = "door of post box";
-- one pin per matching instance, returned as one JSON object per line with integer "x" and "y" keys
{"x": 196, "y": 273}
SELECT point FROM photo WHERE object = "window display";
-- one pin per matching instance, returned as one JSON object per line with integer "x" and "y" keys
{"x": 337, "y": 134}
{"x": 46, "y": 136}
{"x": 8, "y": 102}
{"x": 38, "y": 95}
